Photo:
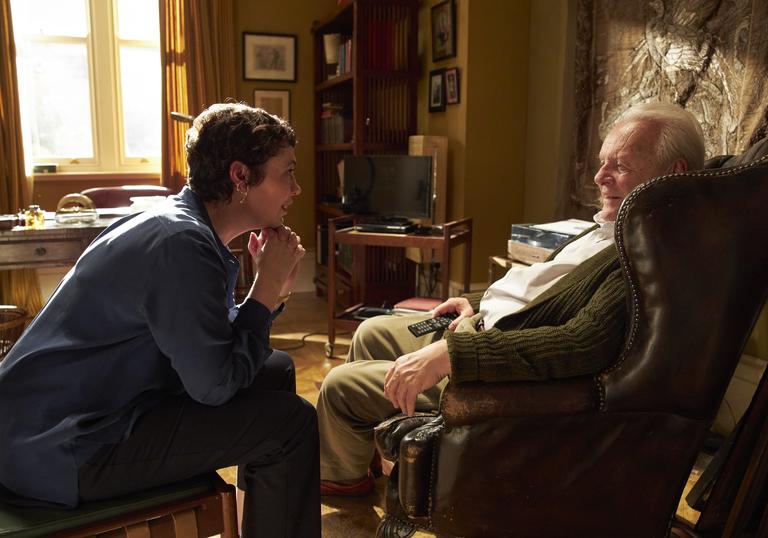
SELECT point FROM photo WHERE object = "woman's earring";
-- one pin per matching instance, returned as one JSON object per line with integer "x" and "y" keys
{"x": 243, "y": 195}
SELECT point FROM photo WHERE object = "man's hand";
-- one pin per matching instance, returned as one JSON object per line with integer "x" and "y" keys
{"x": 456, "y": 304}
{"x": 414, "y": 373}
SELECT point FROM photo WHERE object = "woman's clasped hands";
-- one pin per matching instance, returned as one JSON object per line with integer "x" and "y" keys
{"x": 276, "y": 253}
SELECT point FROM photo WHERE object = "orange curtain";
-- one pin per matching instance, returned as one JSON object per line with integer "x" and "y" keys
{"x": 16, "y": 287}
{"x": 198, "y": 70}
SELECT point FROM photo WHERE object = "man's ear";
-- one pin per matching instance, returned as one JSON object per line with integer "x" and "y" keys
{"x": 238, "y": 172}
{"x": 679, "y": 166}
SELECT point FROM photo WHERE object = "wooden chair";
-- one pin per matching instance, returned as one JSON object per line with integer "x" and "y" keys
{"x": 199, "y": 507}
{"x": 121, "y": 196}
{"x": 736, "y": 501}
{"x": 13, "y": 321}
{"x": 609, "y": 454}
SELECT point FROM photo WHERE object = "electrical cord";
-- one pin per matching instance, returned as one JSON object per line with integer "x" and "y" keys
{"x": 303, "y": 340}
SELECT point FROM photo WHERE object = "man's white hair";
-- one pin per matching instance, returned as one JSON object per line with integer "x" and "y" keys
{"x": 680, "y": 133}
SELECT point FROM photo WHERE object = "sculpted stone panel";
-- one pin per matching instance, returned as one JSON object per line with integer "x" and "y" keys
{"x": 710, "y": 56}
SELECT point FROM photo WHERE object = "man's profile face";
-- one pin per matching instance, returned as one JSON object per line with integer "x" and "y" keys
{"x": 628, "y": 158}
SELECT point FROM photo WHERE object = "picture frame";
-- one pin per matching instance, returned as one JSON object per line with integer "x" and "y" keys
{"x": 443, "y": 30}
{"x": 437, "y": 90}
{"x": 277, "y": 102}
{"x": 269, "y": 57}
{"x": 452, "y": 86}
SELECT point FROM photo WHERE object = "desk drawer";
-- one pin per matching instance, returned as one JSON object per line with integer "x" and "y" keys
{"x": 41, "y": 252}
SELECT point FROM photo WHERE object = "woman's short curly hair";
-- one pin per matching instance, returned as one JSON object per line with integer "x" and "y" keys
{"x": 228, "y": 132}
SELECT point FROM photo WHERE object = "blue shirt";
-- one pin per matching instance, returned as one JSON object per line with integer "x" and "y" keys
{"x": 146, "y": 312}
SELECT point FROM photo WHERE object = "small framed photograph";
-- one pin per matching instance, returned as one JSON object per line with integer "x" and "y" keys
{"x": 443, "y": 30}
{"x": 452, "y": 86}
{"x": 277, "y": 102}
{"x": 437, "y": 90}
{"x": 269, "y": 57}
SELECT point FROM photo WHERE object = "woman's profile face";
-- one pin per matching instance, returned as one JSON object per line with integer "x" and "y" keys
{"x": 268, "y": 202}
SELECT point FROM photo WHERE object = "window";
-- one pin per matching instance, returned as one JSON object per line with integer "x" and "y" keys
{"x": 90, "y": 83}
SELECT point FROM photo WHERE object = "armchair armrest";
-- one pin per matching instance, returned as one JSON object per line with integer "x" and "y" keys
{"x": 411, "y": 440}
{"x": 388, "y": 435}
{"x": 470, "y": 403}
{"x": 415, "y": 467}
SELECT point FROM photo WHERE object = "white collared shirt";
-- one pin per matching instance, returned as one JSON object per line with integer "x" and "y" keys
{"x": 521, "y": 284}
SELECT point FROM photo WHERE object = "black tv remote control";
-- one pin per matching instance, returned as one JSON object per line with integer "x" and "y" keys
{"x": 431, "y": 325}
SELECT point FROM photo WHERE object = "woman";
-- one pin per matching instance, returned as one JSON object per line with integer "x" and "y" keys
{"x": 141, "y": 370}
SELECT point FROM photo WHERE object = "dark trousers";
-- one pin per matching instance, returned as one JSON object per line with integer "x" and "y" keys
{"x": 266, "y": 429}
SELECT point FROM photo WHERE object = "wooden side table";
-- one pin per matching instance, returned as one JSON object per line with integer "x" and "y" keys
{"x": 498, "y": 265}
{"x": 340, "y": 231}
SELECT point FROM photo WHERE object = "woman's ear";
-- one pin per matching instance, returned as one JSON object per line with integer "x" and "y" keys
{"x": 239, "y": 173}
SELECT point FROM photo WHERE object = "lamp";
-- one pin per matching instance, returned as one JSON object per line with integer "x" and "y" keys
{"x": 185, "y": 118}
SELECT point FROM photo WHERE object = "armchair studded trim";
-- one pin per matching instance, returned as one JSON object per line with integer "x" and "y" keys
{"x": 416, "y": 473}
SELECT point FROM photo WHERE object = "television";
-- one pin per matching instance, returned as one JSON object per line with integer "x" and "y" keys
{"x": 388, "y": 186}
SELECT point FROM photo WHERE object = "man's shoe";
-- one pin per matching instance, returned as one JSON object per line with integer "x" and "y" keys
{"x": 357, "y": 489}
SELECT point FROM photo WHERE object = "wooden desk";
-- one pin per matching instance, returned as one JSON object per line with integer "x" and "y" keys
{"x": 60, "y": 245}
{"x": 454, "y": 234}
{"x": 56, "y": 245}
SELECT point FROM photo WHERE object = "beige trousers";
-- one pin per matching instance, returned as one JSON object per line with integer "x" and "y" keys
{"x": 352, "y": 401}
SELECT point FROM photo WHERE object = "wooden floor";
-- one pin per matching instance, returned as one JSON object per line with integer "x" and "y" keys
{"x": 305, "y": 319}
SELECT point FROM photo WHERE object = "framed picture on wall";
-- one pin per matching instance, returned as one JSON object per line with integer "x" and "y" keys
{"x": 452, "y": 85}
{"x": 277, "y": 102}
{"x": 443, "y": 30}
{"x": 437, "y": 90}
{"x": 269, "y": 57}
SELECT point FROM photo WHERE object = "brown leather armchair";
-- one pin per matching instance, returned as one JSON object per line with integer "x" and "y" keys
{"x": 609, "y": 454}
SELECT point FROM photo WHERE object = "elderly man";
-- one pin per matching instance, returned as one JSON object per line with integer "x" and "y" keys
{"x": 561, "y": 318}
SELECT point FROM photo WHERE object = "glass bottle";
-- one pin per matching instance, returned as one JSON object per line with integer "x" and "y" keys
{"x": 34, "y": 217}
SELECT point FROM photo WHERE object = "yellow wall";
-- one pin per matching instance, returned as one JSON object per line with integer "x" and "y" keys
{"x": 486, "y": 131}
{"x": 289, "y": 17}
{"x": 550, "y": 107}
{"x": 494, "y": 176}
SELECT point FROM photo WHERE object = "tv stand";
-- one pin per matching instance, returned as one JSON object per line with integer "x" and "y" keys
{"x": 341, "y": 231}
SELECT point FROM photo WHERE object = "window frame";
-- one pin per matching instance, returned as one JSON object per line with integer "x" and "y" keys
{"x": 102, "y": 44}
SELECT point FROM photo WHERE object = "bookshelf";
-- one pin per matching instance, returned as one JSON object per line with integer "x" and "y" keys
{"x": 365, "y": 103}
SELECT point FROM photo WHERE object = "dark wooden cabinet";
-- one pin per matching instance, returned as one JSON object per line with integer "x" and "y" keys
{"x": 365, "y": 103}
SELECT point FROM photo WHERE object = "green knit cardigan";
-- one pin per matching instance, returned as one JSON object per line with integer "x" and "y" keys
{"x": 576, "y": 327}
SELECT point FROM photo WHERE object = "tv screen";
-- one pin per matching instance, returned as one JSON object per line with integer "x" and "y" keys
{"x": 388, "y": 185}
